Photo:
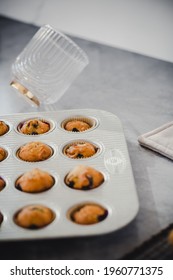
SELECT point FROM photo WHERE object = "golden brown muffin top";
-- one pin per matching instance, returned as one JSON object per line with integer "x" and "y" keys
{"x": 34, "y": 216}
{"x": 3, "y": 128}
{"x": 84, "y": 178}
{"x": 3, "y": 154}
{"x": 89, "y": 214}
{"x": 80, "y": 150}
{"x": 76, "y": 126}
{"x": 2, "y": 184}
{"x": 34, "y": 151}
{"x": 34, "y": 127}
{"x": 35, "y": 181}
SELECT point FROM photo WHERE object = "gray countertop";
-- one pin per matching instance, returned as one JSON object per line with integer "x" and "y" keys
{"x": 136, "y": 88}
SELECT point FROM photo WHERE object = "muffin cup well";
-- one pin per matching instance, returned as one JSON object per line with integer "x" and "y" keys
{"x": 2, "y": 184}
{"x": 69, "y": 144}
{"x": 49, "y": 122}
{"x": 1, "y": 218}
{"x": 89, "y": 187}
{"x": 18, "y": 157}
{"x": 92, "y": 122}
{"x": 76, "y": 208}
{"x": 6, "y": 154}
{"x": 34, "y": 225}
{"x": 8, "y": 127}
{"x": 18, "y": 187}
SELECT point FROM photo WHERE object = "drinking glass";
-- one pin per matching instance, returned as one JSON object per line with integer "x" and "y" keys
{"x": 47, "y": 66}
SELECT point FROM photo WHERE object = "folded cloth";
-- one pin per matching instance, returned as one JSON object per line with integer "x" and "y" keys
{"x": 159, "y": 140}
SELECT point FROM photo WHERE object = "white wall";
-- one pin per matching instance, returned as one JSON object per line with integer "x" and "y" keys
{"x": 143, "y": 26}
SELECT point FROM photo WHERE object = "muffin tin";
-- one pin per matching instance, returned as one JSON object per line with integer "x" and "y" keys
{"x": 117, "y": 194}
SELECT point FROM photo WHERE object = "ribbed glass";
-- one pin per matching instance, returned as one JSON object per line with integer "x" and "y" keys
{"x": 49, "y": 64}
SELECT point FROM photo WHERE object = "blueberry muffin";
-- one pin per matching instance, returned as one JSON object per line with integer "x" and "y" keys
{"x": 80, "y": 150}
{"x": 89, "y": 214}
{"x": 34, "y": 217}
{"x": 1, "y": 218}
{"x": 2, "y": 184}
{"x": 84, "y": 178}
{"x": 34, "y": 151}
{"x": 3, "y": 154}
{"x": 76, "y": 126}
{"x": 35, "y": 181}
{"x": 34, "y": 127}
{"x": 3, "y": 128}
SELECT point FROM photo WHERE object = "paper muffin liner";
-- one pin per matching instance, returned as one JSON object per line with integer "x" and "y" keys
{"x": 77, "y": 207}
{"x": 49, "y": 122}
{"x": 97, "y": 148}
{"x": 18, "y": 150}
{"x": 92, "y": 122}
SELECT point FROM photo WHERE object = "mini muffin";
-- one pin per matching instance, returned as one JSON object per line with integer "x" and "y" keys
{"x": 1, "y": 218}
{"x": 80, "y": 150}
{"x": 3, "y": 128}
{"x": 35, "y": 181}
{"x": 89, "y": 214}
{"x": 3, "y": 154}
{"x": 34, "y": 217}
{"x": 2, "y": 184}
{"x": 34, "y": 151}
{"x": 34, "y": 127}
{"x": 76, "y": 126}
{"x": 84, "y": 178}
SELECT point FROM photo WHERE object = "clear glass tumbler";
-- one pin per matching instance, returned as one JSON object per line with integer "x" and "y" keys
{"x": 47, "y": 66}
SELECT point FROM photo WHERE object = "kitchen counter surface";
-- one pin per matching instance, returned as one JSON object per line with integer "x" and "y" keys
{"x": 136, "y": 88}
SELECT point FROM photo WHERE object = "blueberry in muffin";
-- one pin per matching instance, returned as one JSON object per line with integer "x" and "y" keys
{"x": 34, "y": 151}
{"x": 2, "y": 183}
{"x": 89, "y": 214}
{"x": 35, "y": 181}
{"x": 80, "y": 150}
{"x": 84, "y": 178}
{"x": 3, "y": 154}
{"x": 76, "y": 126}
{"x": 3, "y": 128}
{"x": 34, "y": 217}
{"x": 34, "y": 127}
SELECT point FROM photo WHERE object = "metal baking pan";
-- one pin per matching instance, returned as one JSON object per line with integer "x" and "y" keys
{"x": 117, "y": 194}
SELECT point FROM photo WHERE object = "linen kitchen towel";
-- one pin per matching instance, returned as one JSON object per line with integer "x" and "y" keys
{"x": 159, "y": 140}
